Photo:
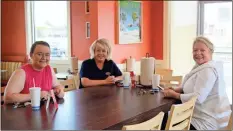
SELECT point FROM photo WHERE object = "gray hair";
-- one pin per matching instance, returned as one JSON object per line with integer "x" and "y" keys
{"x": 103, "y": 42}
{"x": 205, "y": 41}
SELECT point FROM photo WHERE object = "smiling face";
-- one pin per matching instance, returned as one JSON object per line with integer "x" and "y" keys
{"x": 100, "y": 53}
{"x": 201, "y": 53}
{"x": 40, "y": 56}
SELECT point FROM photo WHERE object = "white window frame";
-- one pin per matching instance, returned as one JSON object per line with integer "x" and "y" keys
{"x": 200, "y": 22}
{"x": 29, "y": 23}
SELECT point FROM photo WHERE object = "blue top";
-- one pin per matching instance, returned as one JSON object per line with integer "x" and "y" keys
{"x": 90, "y": 70}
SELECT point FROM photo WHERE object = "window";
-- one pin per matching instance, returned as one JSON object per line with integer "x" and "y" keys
{"x": 216, "y": 24}
{"x": 49, "y": 21}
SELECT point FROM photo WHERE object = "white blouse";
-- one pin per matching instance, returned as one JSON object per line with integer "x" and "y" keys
{"x": 212, "y": 108}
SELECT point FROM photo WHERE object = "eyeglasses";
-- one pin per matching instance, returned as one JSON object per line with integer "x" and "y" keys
{"x": 47, "y": 55}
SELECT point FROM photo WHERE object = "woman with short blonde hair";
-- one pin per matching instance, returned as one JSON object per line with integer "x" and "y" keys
{"x": 205, "y": 41}
{"x": 103, "y": 43}
{"x": 206, "y": 82}
{"x": 99, "y": 69}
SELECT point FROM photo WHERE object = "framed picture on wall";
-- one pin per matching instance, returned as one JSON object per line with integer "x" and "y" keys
{"x": 129, "y": 22}
{"x": 88, "y": 30}
{"x": 87, "y": 7}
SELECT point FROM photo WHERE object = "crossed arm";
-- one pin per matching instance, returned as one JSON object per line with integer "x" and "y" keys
{"x": 16, "y": 84}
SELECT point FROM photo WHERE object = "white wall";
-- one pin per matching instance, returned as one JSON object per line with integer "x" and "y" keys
{"x": 183, "y": 30}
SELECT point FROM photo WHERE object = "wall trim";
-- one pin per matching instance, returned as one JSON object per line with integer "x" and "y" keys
{"x": 166, "y": 35}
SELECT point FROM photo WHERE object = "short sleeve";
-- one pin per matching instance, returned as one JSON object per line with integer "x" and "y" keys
{"x": 116, "y": 70}
{"x": 84, "y": 70}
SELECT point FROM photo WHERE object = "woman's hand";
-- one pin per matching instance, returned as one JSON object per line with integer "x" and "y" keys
{"x": 59, "y": 91}
{"x": 167, "y": 88}
{"x": 44, "y": 94}
{"x": 170, "y": 93}
{"x": 110, "y": 80}
{"x": 176, "y": 89}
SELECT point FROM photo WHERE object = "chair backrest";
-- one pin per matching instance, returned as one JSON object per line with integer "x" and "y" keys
{"x": 10, "y": 67}
{"x": 180, "y": 115}
{"x": 70, "y": 83}
{"x": 229, "y": 126}
{"x": 152, "y": 124}
{"x": 171, "y": 81}
{"x": 163, "y": 72}
{"x": 55, "y": 70}
{"x": 76, "y": 80}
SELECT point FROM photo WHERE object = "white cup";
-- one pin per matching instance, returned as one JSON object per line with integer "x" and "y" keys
{"x": 126, "y": 79}
{"x": 35, "y": 97}
{"x": 155, "y": 81}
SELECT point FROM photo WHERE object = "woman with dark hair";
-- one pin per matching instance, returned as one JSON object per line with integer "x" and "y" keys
{"x": 39, "y": 71}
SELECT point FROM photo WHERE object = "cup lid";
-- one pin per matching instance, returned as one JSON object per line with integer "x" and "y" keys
{"x": 35, "y": 88}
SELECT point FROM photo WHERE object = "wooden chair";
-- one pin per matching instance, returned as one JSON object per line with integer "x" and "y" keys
{"x": 152, "y": 124}
{"x": 229, "y": 126}
{"x": 70, "y": 83}
{"x": 171, "y": 81}
{"x": 163, "y": 72}
{"x": 76, "y": 80}
{"x": 181, "y": 115}
{"x": 2, "y": 94}
{"x": 10, "y": 67}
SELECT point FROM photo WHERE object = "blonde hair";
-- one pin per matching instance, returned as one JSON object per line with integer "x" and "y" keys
{"x": 205, "y": 41}
{"x": 103, "y": 42}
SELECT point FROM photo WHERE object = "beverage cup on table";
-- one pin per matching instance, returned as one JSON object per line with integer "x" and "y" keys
{"x": 155, "y": 81}
{"x": 126, "y": 79}
{"x": 35, "y": 97}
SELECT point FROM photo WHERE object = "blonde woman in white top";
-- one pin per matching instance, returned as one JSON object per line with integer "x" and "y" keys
{"x": 206, "y": 82}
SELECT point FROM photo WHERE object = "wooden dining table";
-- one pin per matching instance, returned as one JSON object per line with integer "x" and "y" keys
{"x": 95, "y": 108}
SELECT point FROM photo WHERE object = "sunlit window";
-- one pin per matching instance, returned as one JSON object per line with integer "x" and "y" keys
{"x": 49, "y": 22}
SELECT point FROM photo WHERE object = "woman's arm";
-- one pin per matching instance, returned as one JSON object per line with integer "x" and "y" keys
{"x": 58, "y": 88}
{"x": 116, "y": 72}
{"x": 118, "y": 78}
{"x": 86, "y": 82}
{"x": 14, "y": 86}
{"x": 203, "y": 85}
{"x": 176, "y": 89}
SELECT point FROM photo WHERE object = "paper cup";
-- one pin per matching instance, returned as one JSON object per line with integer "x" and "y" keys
{"x": 35, "y": 97}
{"x": 126, "y": 79}
{"x": 155, "y": 81}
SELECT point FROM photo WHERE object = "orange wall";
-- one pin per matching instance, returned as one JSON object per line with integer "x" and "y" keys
{"x": 152, "y": 30}
{"x": 13, "y": 35}
{"x": 157, "y": 29}
{"x": 79, "y": 44}
{"x": 107, "y": 12}
{"x": 102, "y": 18}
